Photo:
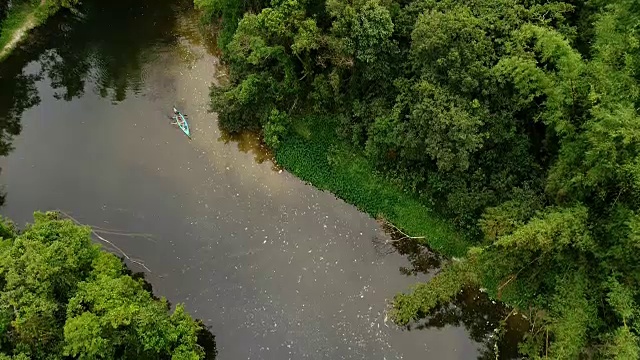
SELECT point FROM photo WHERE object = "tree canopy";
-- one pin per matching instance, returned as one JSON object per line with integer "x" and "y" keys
{"x": 63, "y": 297}
{"x": 518, "y": 119}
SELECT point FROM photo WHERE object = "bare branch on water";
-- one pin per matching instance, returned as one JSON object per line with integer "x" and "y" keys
{"x": 385, "y": 223}
{"x": 94, "y": 232}
{"x": 118, "y": 233}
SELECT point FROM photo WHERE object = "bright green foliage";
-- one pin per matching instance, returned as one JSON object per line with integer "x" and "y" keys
{"x": 62, "y": 296}
{"x": 517, "y": 119}
{"x": 361, "y": 31}
{"x": 623, "y": 341}
{"x": 111, "y": 311}
{"x": 276, "y": 129}
{"x": 425, "y": 297}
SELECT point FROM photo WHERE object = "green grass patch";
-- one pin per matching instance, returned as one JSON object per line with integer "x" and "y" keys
{"x": 315, "y": 154}
{"x": 15, "y": 20}
{"x": 20, "y": 14}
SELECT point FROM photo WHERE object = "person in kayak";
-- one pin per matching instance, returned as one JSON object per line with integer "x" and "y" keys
{"x": 181, "y": 121}
{"x": 177, "y": 117}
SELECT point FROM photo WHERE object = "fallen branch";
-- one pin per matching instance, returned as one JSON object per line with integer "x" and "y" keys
{"x": 396, "y": 229}
{"x": 106, "y": 241}
{"x": 512, "y": 277}
{"x": 391, "y": 241}
{"x": 508, "y": 281}
{"x": 513, "y": 311}
{"x": 118, "y": 233}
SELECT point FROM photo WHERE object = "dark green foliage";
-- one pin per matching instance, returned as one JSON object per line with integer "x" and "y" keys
{"x": 63, "y": 297}
{"x": 518, "y": 119}
{"x": 264, "y": 74}
{"x": 229, "y": 12}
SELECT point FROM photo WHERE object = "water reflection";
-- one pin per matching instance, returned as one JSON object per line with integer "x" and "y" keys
{"x": 495, "y": 327}
{"x": 108, "y": 43}
{"x": 18, "y": 94}
{"x": 250, "y": 142}
{"x": 421, "y": 259}
{"x": 105, "y": 43}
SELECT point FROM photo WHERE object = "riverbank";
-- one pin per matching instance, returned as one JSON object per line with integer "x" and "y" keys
{"x": 276, "y": 268}
{"x": 314, "y": 154}
{"x": 20, "y": 20}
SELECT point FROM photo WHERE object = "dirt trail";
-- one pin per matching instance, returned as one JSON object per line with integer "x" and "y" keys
{"x": 21, "y": 33}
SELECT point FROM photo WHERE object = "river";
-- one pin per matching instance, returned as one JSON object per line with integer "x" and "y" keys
{"x": 276, "y": 268}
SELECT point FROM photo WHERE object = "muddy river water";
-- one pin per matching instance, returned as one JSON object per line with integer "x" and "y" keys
{"x": 276, "y": 268}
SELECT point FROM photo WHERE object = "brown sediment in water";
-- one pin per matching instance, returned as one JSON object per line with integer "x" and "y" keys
{"x": 250, "y": 142}
{"x": 199, "y": 33}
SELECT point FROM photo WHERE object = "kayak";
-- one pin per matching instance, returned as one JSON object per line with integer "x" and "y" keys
{"x": 182, "y": 123}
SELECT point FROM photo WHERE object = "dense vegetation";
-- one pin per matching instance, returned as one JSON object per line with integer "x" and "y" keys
{"x": 61, "y": 297}
{"x": 516, "y": 118}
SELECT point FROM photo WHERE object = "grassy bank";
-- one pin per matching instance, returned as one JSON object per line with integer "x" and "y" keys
{"x": 315, "y": 154}
{"x": 21, "y": 18}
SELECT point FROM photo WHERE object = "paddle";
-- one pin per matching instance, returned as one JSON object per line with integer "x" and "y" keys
{"x": 175, "y": 110}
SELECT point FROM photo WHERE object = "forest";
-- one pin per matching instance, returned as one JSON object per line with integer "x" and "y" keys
{"x": 515, "y": 119}
{"x": 63, "y": 297}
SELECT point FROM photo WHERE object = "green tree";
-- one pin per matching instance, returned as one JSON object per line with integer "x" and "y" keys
{"x": 570, "y": 256}
{"x": 519, "y": 119}
{"x": 63, "y": 296}
{"x": 261, "y": 56}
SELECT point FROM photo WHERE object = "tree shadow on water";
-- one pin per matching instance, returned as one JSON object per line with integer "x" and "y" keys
{"x": 100, "y": 44}
{"x": 207, "y": 340}
{"x": 497, "y": 329}
{"x": 250, "y": 142}
{"x": 422, "y": 260}
{"x": 17, "y": 93}
{"x": 22, "y": 86}
{"x": 107, "y": 43}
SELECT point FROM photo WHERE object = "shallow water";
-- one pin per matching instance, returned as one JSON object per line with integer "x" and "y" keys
{"x": 277, "y": 268}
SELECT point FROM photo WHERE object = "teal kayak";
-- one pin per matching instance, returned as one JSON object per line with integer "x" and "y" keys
{"x": 181, "y": 121}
